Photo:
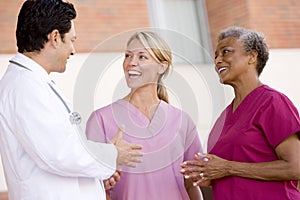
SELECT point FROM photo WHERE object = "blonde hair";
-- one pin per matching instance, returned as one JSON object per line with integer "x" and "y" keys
{"x": 160, "y": 51}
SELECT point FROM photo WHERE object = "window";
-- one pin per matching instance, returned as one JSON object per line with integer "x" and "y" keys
{"x": 183, "y": 24}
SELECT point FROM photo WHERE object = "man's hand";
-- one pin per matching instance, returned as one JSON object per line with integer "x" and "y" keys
{"x": 128, "y": 154}
{"x": 112, "y": 181}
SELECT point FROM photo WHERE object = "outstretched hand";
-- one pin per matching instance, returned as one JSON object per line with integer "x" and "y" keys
{"x": 128, "y": 154}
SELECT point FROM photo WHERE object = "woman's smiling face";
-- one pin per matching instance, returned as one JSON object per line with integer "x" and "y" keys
{"x": 231, "y": 60}
{"x": 140, "y": 68}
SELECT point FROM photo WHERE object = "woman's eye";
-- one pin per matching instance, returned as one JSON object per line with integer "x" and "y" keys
{"x": 225, "y": 51}
{"x": 127, "y": 55}
{"x": 143, "y": 57}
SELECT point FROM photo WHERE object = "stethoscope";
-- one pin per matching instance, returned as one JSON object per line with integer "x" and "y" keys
{"x": 75, "y": 117}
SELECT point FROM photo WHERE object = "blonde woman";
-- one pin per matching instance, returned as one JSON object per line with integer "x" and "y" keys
{"x": 167, "y": 134}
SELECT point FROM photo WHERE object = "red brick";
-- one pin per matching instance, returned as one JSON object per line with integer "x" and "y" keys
{"x": 99, "y": 20}
{"x": 278, "y": 20}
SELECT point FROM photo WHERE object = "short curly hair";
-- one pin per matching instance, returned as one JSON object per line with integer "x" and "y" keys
{"x": 252, "y": 41}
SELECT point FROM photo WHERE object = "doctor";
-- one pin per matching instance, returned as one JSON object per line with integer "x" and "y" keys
{"x": 44, "y": 155}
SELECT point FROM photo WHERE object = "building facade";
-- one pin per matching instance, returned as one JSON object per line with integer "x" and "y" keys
{"x": 191, "y": 27}
{"x": 200, "y": 19}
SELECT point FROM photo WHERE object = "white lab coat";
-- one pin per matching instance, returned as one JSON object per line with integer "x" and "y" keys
{"x": 43, "y": 156}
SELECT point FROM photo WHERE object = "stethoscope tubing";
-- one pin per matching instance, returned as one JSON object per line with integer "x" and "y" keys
{"x": 75, "y": 117}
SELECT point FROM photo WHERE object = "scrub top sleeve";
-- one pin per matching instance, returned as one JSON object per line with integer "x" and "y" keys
{"x": 94, "y": 128}
{"x": 192, "y": 144}
{"x": 279, "y": 119}
{"x": 43, "y": 129}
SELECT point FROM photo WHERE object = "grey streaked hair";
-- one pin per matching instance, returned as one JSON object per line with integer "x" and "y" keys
{"x": 252, "y": 41}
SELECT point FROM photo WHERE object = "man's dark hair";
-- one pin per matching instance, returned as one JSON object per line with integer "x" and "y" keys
{"x": 38, "y": 18}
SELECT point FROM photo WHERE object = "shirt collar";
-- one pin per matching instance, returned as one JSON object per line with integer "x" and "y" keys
{"x": 33, "y": 66}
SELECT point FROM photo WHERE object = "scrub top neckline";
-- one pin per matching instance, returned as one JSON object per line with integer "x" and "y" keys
{"x": 244, "y": 105}
{"x": 136, "y": 123}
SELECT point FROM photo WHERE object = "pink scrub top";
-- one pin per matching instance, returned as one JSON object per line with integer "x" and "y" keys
{"x": 250, "y": 134}
{"x": 168, "y": 139}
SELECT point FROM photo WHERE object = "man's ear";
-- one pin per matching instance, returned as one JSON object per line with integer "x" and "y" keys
{"x": 54, "y": 38}
{"x": 163, "y": 67}
{"x": 253, "y": 57}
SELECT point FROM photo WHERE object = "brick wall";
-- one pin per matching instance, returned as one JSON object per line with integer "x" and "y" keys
{"x": 8, "y": 22}
{"x": 3, "y": 196}
{"x": 278, "y": 20}
{"x": 96, "y": 21}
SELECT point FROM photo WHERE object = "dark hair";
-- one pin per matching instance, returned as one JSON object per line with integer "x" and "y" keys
{"x": 38, "y": 18}
{"x": 251, "y": 40}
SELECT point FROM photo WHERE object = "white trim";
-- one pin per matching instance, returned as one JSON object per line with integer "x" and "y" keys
{"x": 205, "y": 32}
{"x": 159, "y": 19}
{"x": 156, "y": 13}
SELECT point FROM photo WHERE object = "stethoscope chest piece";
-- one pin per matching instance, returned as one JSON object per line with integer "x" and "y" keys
{"x": 75, "y": 118}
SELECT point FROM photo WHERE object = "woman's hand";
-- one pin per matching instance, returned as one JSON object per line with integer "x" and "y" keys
{"x": 204, "y": 168}
{"x": 128, "y": 154}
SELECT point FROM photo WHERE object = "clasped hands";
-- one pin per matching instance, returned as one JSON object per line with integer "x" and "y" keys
{"x": 204, "y": 168}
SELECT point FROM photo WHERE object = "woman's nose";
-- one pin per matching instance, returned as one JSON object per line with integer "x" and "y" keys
{"x": 133, "y": 61}
{"x": 218, "y": 59}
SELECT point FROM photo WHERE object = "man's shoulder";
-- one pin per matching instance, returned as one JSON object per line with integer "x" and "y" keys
{"x": 17, "y": 83}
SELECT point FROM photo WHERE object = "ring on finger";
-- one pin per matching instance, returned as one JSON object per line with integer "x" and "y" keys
{"x": 201, "y": 175}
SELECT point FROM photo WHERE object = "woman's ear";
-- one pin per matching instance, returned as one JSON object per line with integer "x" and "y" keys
{"x": 253, "y": 57}
{"x": 163, "y": 67}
